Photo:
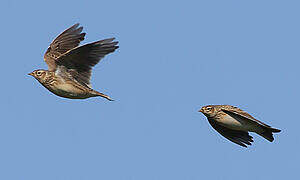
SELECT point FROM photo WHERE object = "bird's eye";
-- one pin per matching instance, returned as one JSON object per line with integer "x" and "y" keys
{"x": 39, "y": 73}
{"x": 208, "y": 108}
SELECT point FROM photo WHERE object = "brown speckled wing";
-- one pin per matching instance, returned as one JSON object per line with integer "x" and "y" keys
{"x": 239, "y": 137}
{"x": 236, "y": 112}
{"x": 79, "y": 61}
{"x": 66, "y": 41}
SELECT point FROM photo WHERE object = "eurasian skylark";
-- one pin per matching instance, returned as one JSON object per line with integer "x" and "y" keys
{"x": 70, "y": 66}
{"x": 234, "y": 124}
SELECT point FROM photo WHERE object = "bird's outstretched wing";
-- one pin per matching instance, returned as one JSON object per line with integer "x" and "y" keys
{"x": 66, "y": 41}
{"x": 79, "y": 61}
{"x": 240, "y": 114}
{"x": 239, "y": 137}
{"x": 237, "y": 113}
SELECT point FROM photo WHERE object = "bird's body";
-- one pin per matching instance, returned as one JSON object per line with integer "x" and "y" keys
{"x": 70, "y": 66}
{"x": 234, "y": 124}
{"x": 66, "y": 87}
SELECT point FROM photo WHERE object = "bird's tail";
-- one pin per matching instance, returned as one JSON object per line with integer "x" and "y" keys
{"x": 268, "y": 133}
{"x": 96, "y": 93}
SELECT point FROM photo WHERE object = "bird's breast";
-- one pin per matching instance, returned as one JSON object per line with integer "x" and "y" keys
{"x": 67, "y": 87}
{"x": 69, "y": 90}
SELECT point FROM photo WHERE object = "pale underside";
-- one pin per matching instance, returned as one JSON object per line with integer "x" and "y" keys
{"x": 239, "y": 123}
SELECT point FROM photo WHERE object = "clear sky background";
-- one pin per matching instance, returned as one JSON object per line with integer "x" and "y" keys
{"x": 174, "y": 57}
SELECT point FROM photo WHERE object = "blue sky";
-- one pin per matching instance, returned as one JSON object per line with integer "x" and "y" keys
{"x": 174, "y": 57}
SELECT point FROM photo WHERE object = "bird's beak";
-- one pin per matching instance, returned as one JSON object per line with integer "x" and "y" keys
{"x": 200, "y": 110}
{"x": 30, "y": 74}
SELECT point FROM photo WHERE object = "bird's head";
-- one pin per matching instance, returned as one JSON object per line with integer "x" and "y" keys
{"x": 208, "y": 111}
{"x": 39, "y": 74}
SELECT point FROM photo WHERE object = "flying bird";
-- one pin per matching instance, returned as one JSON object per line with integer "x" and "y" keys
{"x": 235, "y": 124}
{"x": 70, "y": 65}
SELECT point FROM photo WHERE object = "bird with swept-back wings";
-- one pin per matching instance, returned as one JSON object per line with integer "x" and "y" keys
{"x": 70, "y": 65}
{"x": 234, "y": 124}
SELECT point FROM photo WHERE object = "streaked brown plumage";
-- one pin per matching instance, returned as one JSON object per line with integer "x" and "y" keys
{"x": 234, "y": 124}
{"x": 70, "y": 66}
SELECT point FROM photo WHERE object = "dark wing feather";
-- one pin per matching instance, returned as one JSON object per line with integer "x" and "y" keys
{"x": 244, "y": 115}
{"x": 79, "y": 61}
{"x": 239, "y": 137}
{"x": 66, "y": 41}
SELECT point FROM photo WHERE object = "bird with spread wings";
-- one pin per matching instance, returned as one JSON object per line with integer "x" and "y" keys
{"x": 70, "y": 65}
